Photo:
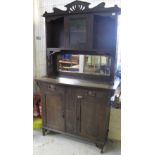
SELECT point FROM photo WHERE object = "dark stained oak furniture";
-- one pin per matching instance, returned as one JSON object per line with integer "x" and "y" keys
{"x": 82, "y": 62}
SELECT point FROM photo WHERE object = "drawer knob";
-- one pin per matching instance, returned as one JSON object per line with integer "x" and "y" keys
{"x": 51, "y": 87}
{"x": 91, "y": 93}
{"x": 80, "y": 97}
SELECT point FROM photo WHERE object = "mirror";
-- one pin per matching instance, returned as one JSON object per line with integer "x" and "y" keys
{"x": 86, "y": 64}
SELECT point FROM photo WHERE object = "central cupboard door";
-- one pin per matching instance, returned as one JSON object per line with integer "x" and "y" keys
{"x": 71, "y": 110}
{"x": 77, "y": 31}
{"x": 55, "y": 108}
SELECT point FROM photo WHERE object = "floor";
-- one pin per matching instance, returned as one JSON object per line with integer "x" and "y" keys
{"x": 58, "y": 144}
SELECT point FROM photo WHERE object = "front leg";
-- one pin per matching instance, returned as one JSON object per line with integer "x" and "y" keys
{"x": 44, "y": 131}
{"x": 101, "y": 146}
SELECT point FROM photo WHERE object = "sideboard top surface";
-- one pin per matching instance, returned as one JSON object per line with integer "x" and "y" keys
{"x": 77, "y": 82}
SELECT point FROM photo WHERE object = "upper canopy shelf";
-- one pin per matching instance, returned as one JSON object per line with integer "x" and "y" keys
{"x": 80, "y": 7}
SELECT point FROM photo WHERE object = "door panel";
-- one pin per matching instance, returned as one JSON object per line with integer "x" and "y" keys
{"x": 70, "y": 110}
{"x": 101, "y": 120}
{"x": 76, "y": 31}
{"x": 55, "y": 110}
{"x": 88, "y": 118}
{"x": 93, "y": 117}
{"x": 102, "y": 116}
{"x": 70, "y": 121}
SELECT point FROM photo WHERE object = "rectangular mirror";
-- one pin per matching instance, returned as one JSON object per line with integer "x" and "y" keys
{"x": 86, "y": 64}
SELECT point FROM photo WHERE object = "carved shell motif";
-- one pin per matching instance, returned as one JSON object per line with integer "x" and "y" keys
{"x": 77, "y": 6}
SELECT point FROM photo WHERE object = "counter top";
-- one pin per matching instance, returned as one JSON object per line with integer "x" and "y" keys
{"x": 81, "y": 83}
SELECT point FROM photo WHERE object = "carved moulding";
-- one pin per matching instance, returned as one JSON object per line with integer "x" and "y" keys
{"x": 80, "y": 7}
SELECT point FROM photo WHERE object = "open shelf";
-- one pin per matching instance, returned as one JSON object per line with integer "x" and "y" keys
{"x": 55, "y": 35}
{"x": 68, "y": 62}
{"x": 104, "y": 32}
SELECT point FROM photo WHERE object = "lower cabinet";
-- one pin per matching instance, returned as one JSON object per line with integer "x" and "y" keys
{"x": 77, "y": 111}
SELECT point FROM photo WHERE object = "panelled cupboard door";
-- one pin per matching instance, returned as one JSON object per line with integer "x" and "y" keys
{"x": 72, "y": 110}
{"x": 88, "y": 118}
{"x": 71, "y": 113}
{"x": 77, "y": 31}
{"x": 93, "y": 118}
{"x": 55, "y": 110}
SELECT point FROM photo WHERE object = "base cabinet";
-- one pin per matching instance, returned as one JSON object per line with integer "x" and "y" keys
{"x": 77, "y": 111}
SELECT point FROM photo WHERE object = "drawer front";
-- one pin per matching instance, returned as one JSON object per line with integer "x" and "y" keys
{"x": 55, "y": 88}
{"x": 83, "y": 92}
{"x": 48, "y": 87}
{"x": 96, "y": 94}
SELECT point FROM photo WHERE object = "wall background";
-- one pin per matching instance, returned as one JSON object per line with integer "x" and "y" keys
{"x": 39, "y": 49}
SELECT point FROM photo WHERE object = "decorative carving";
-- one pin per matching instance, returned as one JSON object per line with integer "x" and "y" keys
{"x": 82, "y": 7}
{"x": 77, "y": 6}
{"x": 99, "y": 6}
{"x": 58, "y": 11}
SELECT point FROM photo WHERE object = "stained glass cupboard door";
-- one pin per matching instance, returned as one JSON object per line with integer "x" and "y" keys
{"x": 78, "y": 32}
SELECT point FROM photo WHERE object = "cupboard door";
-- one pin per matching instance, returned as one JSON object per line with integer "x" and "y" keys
{"x": 55, "y": 110}
{"x": 102, "y": 119}
{"x": 93, "y": 116}
{"x": 70, "y": 111}
{"x": 88, "y": 124}
{"x": 77, "y": 31}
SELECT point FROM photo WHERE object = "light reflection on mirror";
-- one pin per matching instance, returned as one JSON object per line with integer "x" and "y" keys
{"x": 86, "y": 64}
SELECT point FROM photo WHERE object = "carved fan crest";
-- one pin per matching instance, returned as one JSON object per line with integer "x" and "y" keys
{"x": 77, "y": 6}
{"x": 83, "y": 7}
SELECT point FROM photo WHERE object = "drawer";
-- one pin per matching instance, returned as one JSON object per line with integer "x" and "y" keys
{"x": 48, "y": 87}
{"x": 84, "y": 92}
{"x": 96, "y": 93}
{"x": 55, "y": 88}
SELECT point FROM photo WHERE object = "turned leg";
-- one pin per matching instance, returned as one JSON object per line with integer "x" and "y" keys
{"x": 101, "y": 150}
{"x": 100, "y": 146}
{"x": 106, "y": 138}
{"x": 43, "y": 131}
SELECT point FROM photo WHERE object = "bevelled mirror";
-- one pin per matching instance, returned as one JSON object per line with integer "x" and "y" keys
{"x": 86, "y": 64}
